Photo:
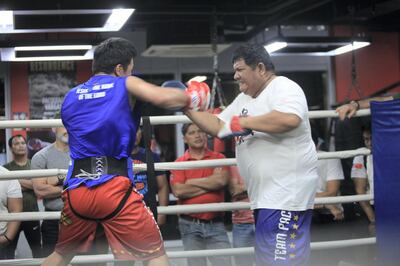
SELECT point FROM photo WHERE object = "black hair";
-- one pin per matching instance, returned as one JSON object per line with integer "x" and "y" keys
{"x": 10, "y": 140}
{"x": 185, "y": 128}
{"x": 110, "y": 53}
{"x": 253, "y": 54}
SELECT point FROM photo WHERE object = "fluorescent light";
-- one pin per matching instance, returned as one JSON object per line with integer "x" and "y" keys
{"x": 53, "y": 48}
{"x": 118, "y": 18}
{"x": 8, "y": 55}
{"x": 275, "y": 46}
{"x": 6, "y": 21}
{"x": 49, "y": 58}
{"x": 349, "y": 47}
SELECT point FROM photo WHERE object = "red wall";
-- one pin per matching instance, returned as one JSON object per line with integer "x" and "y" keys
{"x": 20, "y": 86}
{"x": 377, "y": 65}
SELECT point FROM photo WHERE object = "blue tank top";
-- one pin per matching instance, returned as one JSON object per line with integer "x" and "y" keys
{"x": 100, "y": 122}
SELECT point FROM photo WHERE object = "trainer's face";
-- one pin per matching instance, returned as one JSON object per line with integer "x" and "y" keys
{"x": 18, "y": 146}
{"x": 250, "y": 80}
{"x": 195, "y": 138}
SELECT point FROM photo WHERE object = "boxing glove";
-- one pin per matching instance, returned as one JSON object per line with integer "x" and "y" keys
{"x": 233, "y": 129}
{"x": 199, "y": 96}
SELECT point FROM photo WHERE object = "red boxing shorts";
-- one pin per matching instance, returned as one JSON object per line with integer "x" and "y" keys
{"x": 132, "y": 233}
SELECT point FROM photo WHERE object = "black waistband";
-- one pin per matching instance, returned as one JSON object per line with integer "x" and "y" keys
{"x": 99, "y": 165}
{"x": 196, "y": 220}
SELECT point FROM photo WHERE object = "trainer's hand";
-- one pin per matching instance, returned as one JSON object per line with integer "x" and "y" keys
{"x": 347, "y": 110}
{"x": 199, "y": 96}
{"x": 233, "y": 129}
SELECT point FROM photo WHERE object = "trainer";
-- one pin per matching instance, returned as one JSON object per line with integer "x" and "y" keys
{"x": 274, "y": 152}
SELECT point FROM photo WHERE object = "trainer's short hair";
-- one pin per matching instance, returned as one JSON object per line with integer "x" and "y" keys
{"x": 112, "y": 52}
{"x": 253, "y": 54}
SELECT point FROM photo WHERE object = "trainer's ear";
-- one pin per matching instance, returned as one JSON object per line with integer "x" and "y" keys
{"x": 261, "y": 68}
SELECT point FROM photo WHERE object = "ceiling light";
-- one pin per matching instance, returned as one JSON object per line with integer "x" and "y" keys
{"x": 10, "y": 54}
{"x": 349, "y": 47}
{"x": 314, "y": 46}
{"x": 53, "y": 48}
{"x": 6, "y": 21}
{"x": 275, "y": 46}
{"x": 118, "y": 18}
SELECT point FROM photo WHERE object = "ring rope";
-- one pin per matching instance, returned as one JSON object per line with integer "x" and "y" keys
{"x": 154, "y": 120}
{"x": 199, "y": 253}
{"x": 165, "y": 166}
{"x": 177, "y": 209}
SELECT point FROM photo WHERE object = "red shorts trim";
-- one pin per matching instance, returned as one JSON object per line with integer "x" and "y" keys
{"x": 132, "y": 233}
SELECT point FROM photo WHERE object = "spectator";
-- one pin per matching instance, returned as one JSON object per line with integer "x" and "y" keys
{"x": 10, "y": 201}
{"x": 54, "y": 156}
{"x": 144, "y": 186}
{"x": 31, "y": 229}
{"x": 206, "y": 230}
{"x": 363, "y": 176}
{"x": 330, "y": 173}
{"x": 242, "y": 220}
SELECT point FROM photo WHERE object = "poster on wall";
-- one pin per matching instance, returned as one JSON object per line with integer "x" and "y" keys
{"x": 49, "y": 81}
{"x": 48, "y": 84}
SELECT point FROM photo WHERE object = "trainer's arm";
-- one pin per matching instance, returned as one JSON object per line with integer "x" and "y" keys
{"x": 207, "y": 122}
{"x": 273, "y": 122}
{"x": 216, "y": 181}
{"x": 168, "y": 98}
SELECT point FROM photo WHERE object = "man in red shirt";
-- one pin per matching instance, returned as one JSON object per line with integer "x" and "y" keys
{"x": 205, "y": 230}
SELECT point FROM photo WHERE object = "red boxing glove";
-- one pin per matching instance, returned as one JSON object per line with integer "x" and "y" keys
{"x": 199, "y": 96}
{"x": 233, "y": 129}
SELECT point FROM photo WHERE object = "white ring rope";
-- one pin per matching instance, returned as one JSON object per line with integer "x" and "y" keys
{"x": 199, "y": 253}
{"x": 154, "y": 120}
{"x": 25, "y": 174}
{"x": 177, "y": 209}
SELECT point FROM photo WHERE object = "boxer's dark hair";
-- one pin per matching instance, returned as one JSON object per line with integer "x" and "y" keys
{"x": 253, "y": 54}
{"x": 111, "y": 52}
{"x": 10, "y": 140}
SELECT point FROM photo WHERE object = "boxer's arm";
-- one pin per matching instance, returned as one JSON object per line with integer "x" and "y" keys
{"x": 273, "y": 122}
{"x": 216, "y": 181}
{"x": 169, "y": 98}
{"x": 207, "y": 122}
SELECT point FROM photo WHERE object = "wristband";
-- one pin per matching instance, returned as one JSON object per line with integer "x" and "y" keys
{"x": 5, "y": 236}
{"x": 356, "y": 103}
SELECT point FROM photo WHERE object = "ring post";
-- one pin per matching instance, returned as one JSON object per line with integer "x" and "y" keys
{"x": 386, "y": 159}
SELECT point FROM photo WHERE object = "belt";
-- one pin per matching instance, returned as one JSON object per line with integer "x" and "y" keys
{"x": 198, "y": 221}
{"x": 101, "y": 165}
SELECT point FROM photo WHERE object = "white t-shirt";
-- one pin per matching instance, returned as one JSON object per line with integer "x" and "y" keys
{"x": 328, "y": 169}
{"x": 280, "y": 170}
{"x": 360, "y": 170}
{"x": 8, "y": 189}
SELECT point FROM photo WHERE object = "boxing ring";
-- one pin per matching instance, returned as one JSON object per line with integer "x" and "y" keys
{"x": 177, "y": 209}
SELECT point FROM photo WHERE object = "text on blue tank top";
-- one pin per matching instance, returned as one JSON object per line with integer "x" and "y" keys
{"x": 100, "y": 122}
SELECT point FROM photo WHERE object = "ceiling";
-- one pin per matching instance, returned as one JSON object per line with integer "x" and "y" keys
{"x": 192, "y": 22}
